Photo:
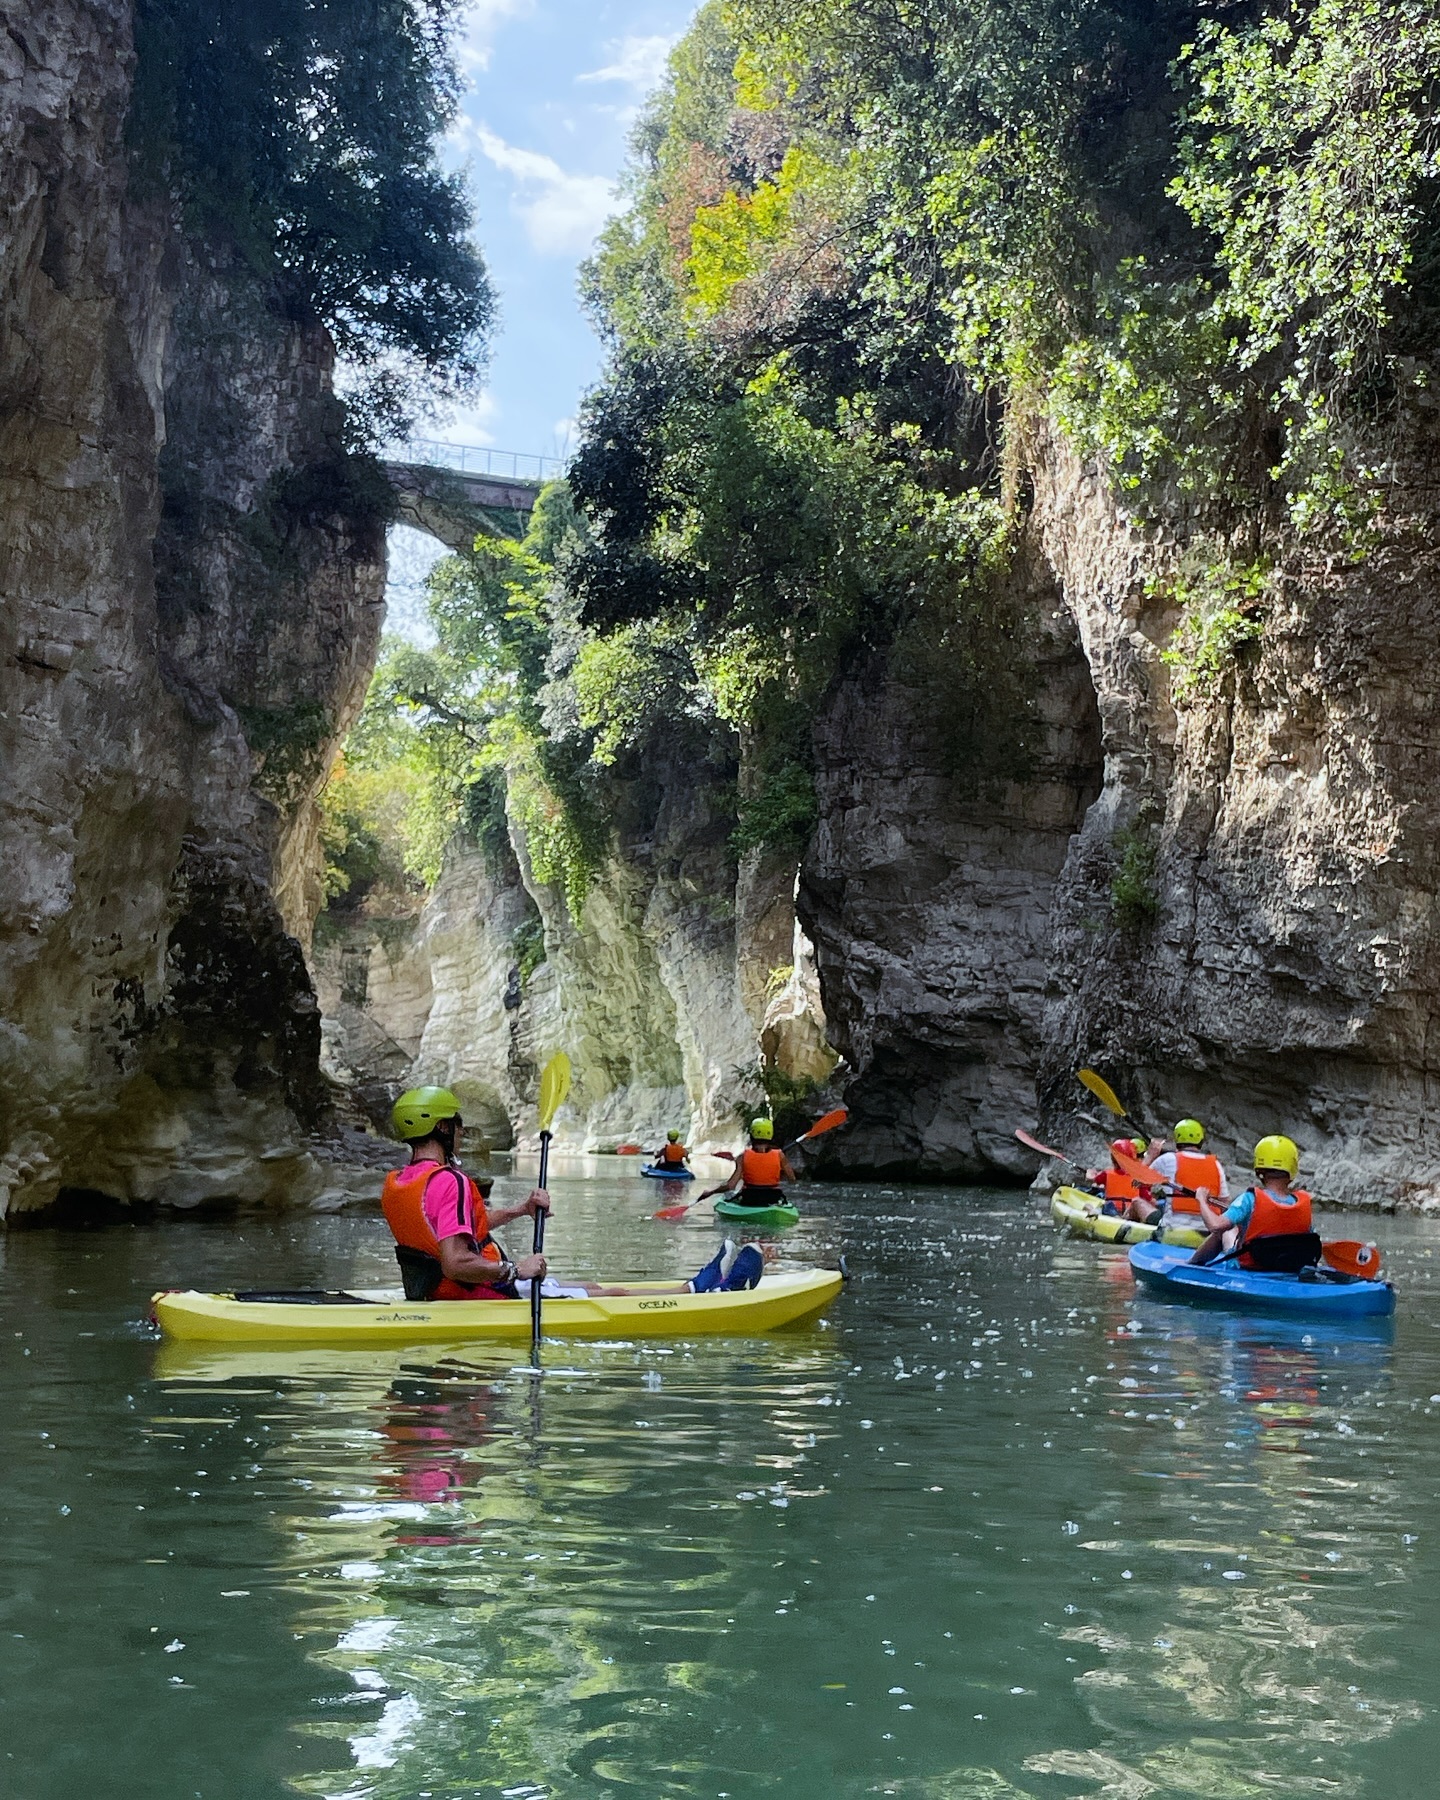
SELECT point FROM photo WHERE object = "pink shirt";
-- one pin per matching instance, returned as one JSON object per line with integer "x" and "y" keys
{"x": 448, "y": 1211}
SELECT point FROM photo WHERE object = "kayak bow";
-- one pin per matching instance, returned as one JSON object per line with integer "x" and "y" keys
{"x": 1082, "y": 1215}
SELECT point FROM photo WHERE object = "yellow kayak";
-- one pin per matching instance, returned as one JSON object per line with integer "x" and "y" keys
{"x": 1081, "y": 1216}
{"x": 385, "y": 1316}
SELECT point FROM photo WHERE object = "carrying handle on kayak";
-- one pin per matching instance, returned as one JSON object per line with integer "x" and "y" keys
{"x": 554, "y": 1086}
{"x": 826, "y": 1122}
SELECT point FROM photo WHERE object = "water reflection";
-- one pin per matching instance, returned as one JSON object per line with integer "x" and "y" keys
{"x": 1002, "y": 1529}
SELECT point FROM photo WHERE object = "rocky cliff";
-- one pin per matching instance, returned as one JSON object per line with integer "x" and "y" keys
{"x": 658, "y": 994}
{"x": 192, "y": 590}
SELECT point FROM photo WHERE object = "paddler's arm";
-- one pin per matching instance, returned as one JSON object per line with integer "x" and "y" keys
{"x": 787, "y": 1171}
{"x": 1213, "y": 1244}
{"x": 461, "y": 1261}
{"x": 1214, "y": 1216}
{"x": 724, "y": 1187}
{"x": 539, "y": 1201}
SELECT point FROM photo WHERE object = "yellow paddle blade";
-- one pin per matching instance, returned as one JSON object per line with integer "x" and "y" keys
{"x": 1102, "y": 1091}
{"x": 554, "y": 1086}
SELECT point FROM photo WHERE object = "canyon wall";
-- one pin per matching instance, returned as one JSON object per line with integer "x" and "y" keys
{"x": 192, "y": 580}
{"x": 657, "y": 995}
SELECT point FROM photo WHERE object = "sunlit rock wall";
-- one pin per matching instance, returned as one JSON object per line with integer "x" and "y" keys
{"x": 1290, "y": 977}
{"x": 658, "y": 995}
{"x": 168, "y": 696}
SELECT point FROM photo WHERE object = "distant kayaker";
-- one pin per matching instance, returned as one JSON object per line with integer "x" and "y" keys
{"x": 672, "y": 1154}
{"x": 1273, "y": 1211}
{"x": 442, "y": 1225}
{"x": 760, "y": 1170}
{"x": 1187, "y": 1168}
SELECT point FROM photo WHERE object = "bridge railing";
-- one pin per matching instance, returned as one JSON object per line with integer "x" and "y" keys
{"x": 477, "y": 459}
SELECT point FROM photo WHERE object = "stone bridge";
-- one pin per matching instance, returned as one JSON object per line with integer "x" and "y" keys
{"x": 456, "y": 491}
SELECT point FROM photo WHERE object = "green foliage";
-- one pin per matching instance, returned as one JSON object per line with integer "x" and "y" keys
{"x": 1223, "y": 609}
{"x": 780, "y": 814}
{"x": 305, "y": 135}
{"x": 528, "y": 946}
{"x": 1134, "y": 895}
{"x": 363, "y": 830}
{"x": 461, "y": 728}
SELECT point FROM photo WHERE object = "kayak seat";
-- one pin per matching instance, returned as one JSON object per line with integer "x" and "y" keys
{"x": 420, "y": 1273}
{"x": 1284, "y": 1253}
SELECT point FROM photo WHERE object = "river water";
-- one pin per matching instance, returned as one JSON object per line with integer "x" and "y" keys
{"x": 999, "y": 1528}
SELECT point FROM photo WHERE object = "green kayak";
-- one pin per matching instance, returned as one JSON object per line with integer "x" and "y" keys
{"x": 773, "y": 1216}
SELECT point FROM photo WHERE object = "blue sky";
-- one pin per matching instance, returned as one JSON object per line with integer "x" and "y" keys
{"x": 555, "y": 87}
{"x": 542, "y": 137}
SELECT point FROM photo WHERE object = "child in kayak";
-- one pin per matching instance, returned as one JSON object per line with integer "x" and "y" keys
{"x": 441, "y": 1224}
{"x": 1124, "y": 1196}
{"x": 1271, "y": 1221}
{"x": 672, "y": 1154}
{"x": 759, "y": 1171}
{"x": 1188, "y": 1168}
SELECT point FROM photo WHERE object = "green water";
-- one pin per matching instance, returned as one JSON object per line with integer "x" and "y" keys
{"x": 999, "y": 1529}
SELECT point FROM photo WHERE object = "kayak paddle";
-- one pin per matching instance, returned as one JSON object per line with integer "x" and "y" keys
{"x": 827, "y": 1122}
{"x": 1033, "y": 1143}
{"x": 554, "y": 1086}
{"x": 1106, "y": 1095}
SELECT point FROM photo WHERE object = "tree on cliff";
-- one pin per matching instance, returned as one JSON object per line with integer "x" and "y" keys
{"x": 304, "y": 134}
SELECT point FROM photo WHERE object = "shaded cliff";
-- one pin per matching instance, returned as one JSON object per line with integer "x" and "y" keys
{"x": 192, "y": 568}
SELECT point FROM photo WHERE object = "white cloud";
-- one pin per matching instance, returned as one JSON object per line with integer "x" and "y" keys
{"x": 562, "y": 213}
{"x": 639, "y": 62}
{"x": 483, "y": 19}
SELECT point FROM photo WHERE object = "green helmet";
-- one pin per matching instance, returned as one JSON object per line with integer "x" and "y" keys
{"x": 418, "y": 1111}
{"x": 1190, "y": 1131}
{"x": 763, "y": 1129}
{"x": 673, "y": 1136}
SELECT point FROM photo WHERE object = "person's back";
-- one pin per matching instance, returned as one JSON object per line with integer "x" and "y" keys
{"x": 1272, "y": 1221}
{"x": 1190, "y": 1168}
{"x": 673, "y": 1153}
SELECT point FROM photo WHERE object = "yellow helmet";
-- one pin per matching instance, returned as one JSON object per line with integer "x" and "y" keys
{"x": 1139, "y": 1146}
{"x": 419, "y": 1110}
{"x": 763, "y": 1129}
{"x": 1278, "y": 1153}
{"x": 1190, "y": 1131}
{"x": 673, "y": 1136}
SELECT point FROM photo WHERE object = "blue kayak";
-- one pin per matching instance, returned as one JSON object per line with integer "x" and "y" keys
{"x": 669, "y": 1174}
{"x": 1166, "y": 1271}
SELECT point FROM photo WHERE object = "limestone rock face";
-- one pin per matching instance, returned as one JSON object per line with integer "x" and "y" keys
{"x": 929, "y": 905}
{"x": 654, "y": 995}
{"x": 168, "y": 697}
{"x": 1290, "y": 975}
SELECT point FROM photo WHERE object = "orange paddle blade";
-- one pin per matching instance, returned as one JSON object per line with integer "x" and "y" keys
{"x": 1350, "y": 1257}
{"x": 827, "y": 1122}
{"x": 1136, "y": 1170}
{"x": 673, "y": 1212}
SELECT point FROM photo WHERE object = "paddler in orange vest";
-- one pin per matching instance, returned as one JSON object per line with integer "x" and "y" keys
{"x": 1266, "y": 1215}
{"x": 442, "y": 1225}
{"x": 1187, "y": 1168}
{"x": 759, "y": 1170}
{"x": 1124, "y": 1197}
{"x": 672, "y": 1154}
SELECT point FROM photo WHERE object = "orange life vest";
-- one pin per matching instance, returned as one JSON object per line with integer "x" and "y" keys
{"x": 1273, "y": 1218}
{"x": 1193, "y": 1170}
{"x": 403, "y": 1201}
{"x": 1118, "y": 1186}
{"x": 673, "y": 1153}
{"x": 761, "y": 1168}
